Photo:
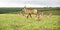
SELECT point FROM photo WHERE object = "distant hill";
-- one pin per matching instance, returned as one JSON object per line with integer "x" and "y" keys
{"x": 15, "y": 10}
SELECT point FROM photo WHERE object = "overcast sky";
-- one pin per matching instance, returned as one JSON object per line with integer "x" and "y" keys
{"x": 30, "y": 3}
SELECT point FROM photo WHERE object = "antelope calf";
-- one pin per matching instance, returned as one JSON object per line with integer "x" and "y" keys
{"x": 22, "y": 15}
{"x": 45, "y": 16}
{"x": 49, "y": 15}
{"x": 41, "y": 15}
{"x": 37, "y": 17}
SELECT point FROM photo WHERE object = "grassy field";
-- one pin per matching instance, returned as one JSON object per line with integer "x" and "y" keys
{"x": 15, "y": 22}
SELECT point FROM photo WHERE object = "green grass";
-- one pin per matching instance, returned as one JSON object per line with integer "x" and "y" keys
{"x": 15, "y": 22}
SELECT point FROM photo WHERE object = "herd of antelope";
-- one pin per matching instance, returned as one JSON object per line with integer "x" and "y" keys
{"x": 30, "y": 11}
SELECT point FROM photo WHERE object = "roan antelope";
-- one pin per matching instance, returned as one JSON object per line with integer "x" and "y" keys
{"x": 30, "y": 11}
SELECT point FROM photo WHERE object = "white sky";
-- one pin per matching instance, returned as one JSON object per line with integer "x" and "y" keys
{"x": 29, "y": 3}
